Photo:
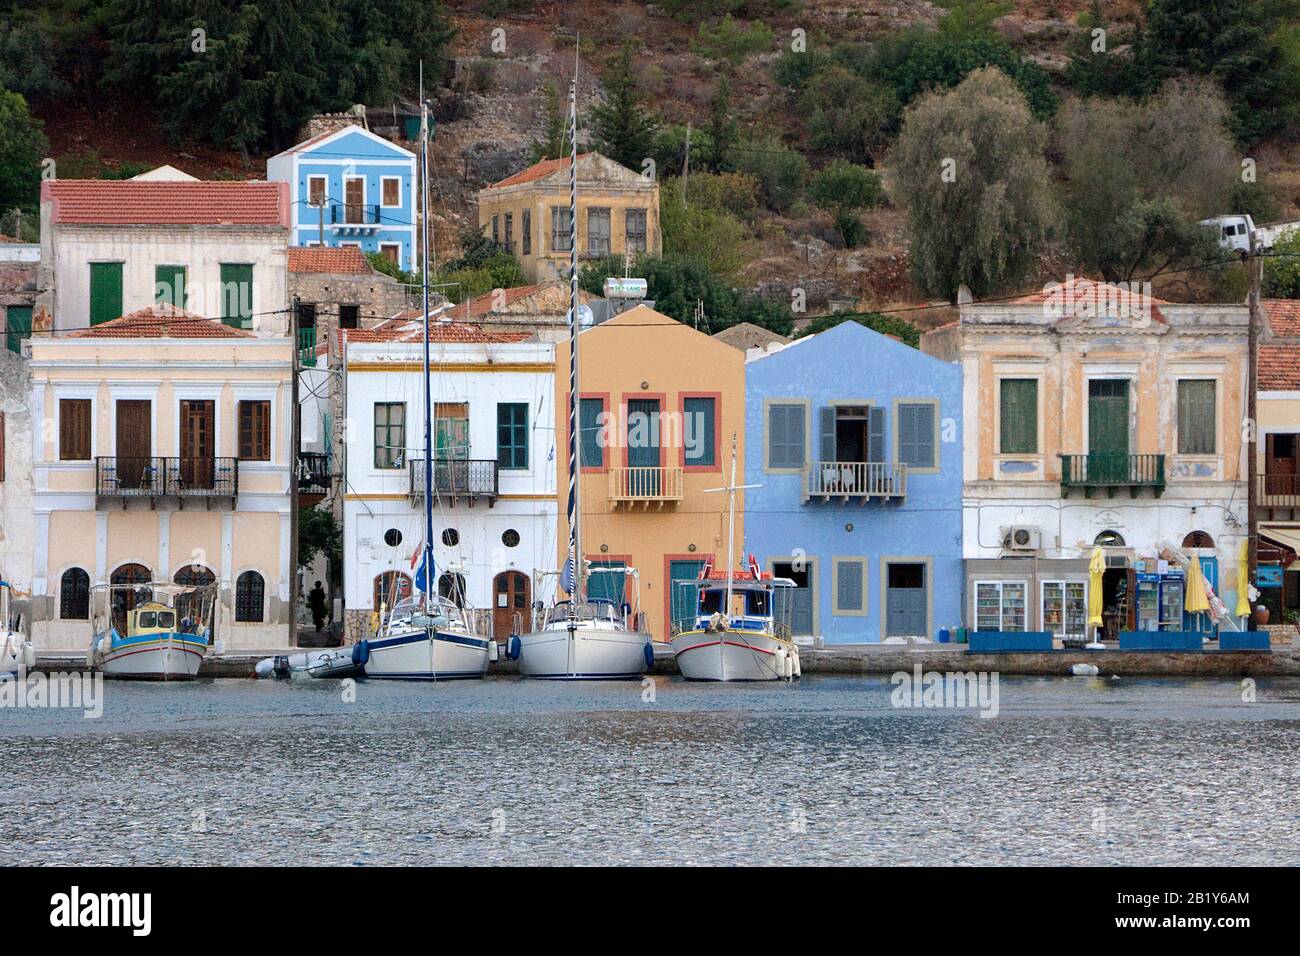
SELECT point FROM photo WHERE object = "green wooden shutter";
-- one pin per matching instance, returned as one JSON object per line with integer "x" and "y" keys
{"x": 848, "y": 586}
{"x": 237, "y": 295}
{"x": 700, "y": 431}
{"x": 591, "y": 454}
{"x": 18, "y": 323}
{"x": 105, "y": 291}
{"x": 827, "y": 417}
{"x": 169, "y": 285}
{"x": 1196, "y": 417}
{"x": 1018, "y": 425}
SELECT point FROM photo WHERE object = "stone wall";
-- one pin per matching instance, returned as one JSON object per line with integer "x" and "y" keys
{"x": 17, "y": 522}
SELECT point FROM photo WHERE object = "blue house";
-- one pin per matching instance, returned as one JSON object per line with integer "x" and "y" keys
{"x": 855, "y": 439}
{"x": 350, "y": 188}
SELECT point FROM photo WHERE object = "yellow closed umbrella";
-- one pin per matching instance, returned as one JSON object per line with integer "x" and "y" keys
{"x": 1096, "y": 568}
{"x": 1243, "y": 579}
{"x": 1196, "y": 600}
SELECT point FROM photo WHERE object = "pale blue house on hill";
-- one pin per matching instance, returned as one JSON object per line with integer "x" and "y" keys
{"x": 350, "y": 188}
{"x": 855, "y": 439}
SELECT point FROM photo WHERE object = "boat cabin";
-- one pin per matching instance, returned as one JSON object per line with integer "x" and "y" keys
{"x": 151, "y": 618}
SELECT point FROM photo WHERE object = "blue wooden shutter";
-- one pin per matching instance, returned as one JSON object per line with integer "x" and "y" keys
{"x": 876, "y": 434}
{"x": 848, "y": 585}
{"x": 828, "y": 433}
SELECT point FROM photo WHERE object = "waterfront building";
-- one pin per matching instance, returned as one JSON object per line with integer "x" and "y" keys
{"x": 350, "y": 187}
{"x": 109, "y": 248}
{"x": 162, "y": 455}
{"x": 855, "y": 446}
{"x": 527, "y": 214}
{"x": 493, "y": 471}
{"x": 1098, "y": 416}
{"x": 659, "y": 404}
{"x": 1278, "y": 491}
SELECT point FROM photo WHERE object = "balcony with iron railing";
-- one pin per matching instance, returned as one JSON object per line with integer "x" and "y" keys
{"x": 314, "y": 473}
{"x": 859, "y": 481}
{"x": 645, "y": 486}
{"x": 1112, "y": 472}
{"x": 354, "y": 215}
{"x": 455, "y": 479}
{"x": 1279, "y": 497}
{"x": 307, "y": 346}
{"x": 127, "y": 477}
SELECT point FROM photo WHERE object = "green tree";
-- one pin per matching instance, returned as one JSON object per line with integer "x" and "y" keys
{"x": 970, "y": 164}
{"x": 22, "y": 147}
{"x": 551, "y": 145}
{"x": 722, "y": 130}
{"x": 844, "y": 190}
{"x": 702, "y": 231}
{"x": 847, "y": 115}
{"x": 893, "y": 325}
{"x": 1282, "y": 269}
{"x": 623, "y": 130}
{"x": 728, "y": 43}
{"x": 781, "y": 172}
{"x": 1097, "y": 67}
{"x": 318, "y": 533}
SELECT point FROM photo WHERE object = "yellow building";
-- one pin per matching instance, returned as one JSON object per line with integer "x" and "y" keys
{"x": 527, "y": 214}
{"x": 660, "y": 403}
{"x": 161, "y": 456}
{"x": 1278, "y": 493}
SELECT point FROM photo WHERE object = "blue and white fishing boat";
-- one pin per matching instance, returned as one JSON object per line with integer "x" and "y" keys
{"x": 427, "y": 638}
{"x": 582, "y": 638}
{"x": 140, "y": 637}
{"x": 16, "y": 653}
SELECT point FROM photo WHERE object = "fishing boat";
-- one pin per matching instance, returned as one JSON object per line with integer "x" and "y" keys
{"x": 16, "y": 653}
{"x": 141, "y": 637}
{"x": 737, "y": 623}
{"x": 426, "y": 638}
{"x": 581, "y": 638}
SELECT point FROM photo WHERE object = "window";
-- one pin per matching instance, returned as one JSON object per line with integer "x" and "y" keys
{"x": 1109, "y": 539}
{"x": 496, "y": 232}
{"x": 250, "y": 594}
{"x": 785, "y": 436}
{"x": 916, "y": 434}
{"x": 392, "y": 537}
{"x": 306, "y": 315}
{"x": 391, "y": 587}
{"x": 169, "y": 285}
{"x": 636, "y": 232}
{"x": 316, "y": 190}
{"x": 1065, "y": 608}
{"x": 560, "y": 220}
{"x": 237, "y": 295}
{"x": 74, "y": 429}
{"x": 255, "y": 431}
{"x": 391, "y": 251}
{"x": 105, "y": 291}
{"x": 390, "y": 434}
{"x": 452, "y": 587}
{"x": 510, "y": 232}
{"x": 1000, "y": 605}
{"x": 598, "y": 231}
{"x": 1198, "y": 539}
{"x": 1018, "y": 427}
{"x": 1196, "y": 412}
{"x": 18, "y": 326}
{"x": 450, "y": 537}
{"x": 850, "y": 586}
{"x": 699, "y": 431}
{"x": 591, "y": 447}
{"x": 451, "y": 431}
{"x": 391, "y": 191}
{"x": 512, "y": 435}
{"x": 74, "y": 595}
{"x": 349, "y": 316}
{"x": 510, "y": 538}
{"x": 526, "y": 231}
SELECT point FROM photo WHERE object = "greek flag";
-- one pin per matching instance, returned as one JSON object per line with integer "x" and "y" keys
{"x": 567, "y": 575}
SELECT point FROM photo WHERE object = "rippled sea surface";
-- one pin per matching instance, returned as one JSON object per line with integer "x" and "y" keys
{"x": 1072, "y": 770}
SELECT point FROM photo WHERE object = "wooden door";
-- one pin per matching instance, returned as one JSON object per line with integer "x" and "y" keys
{"x": 354, "y": 195}
{"x": 198, "y": 443}
{"x": 134, "y": 443}
{"x": 510, "y": 597}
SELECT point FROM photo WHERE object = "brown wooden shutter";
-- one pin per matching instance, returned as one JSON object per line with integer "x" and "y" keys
{"x": 74, "y": 429}
{"x": 255, "y": 431}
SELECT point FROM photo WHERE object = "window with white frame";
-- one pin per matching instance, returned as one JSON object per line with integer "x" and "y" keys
{"x": 391, "y": 191}
{"x": 1000, "y": 605}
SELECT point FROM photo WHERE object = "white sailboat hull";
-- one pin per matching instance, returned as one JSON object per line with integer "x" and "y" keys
{"x": 425, "y": 655}
{"x": 585, "y": 653}
{"x": 729, "y": 655}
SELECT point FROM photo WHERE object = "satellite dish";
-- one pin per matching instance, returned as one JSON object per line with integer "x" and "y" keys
{"x": 586, "y": 318}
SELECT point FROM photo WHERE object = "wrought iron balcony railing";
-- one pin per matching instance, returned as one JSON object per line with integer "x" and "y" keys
{"x": 127, "y": 477}
{"x": 455, "y": 478}
{"x": 314, "y": 474}
{"x": 130, "y": 477}
{"x": 854, "y": 480}
{"x": 1112, "y": 471}
{"x": 646, "y": 485}
{"x": 354, "y": 214}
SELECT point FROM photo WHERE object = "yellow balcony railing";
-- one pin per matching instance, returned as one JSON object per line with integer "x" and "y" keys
{"x": 648, "y": 485}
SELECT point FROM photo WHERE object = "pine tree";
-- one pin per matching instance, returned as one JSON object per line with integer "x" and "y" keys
{"x": 623, "y": 130}
{"x": 722, "y": 128}
{"x": 551, "y": 145}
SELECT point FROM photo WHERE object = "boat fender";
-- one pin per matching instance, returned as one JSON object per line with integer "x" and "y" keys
{"x": 494, "y": 651}
{"x": 513, "y": 647}
{"x": 105, "y": 645}
{"x": 264, "y": 668}
{"x": 29, "y": 656}
{"x": 649, "y": 654}
{"x": 361, "y": 653}
{"x": 798, "y": 671}
{"x": 1084, "y": 670}
{"x": 779, "y": 660}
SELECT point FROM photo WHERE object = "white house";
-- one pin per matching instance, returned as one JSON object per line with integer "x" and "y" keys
{"x": 110, "y": 248}
{"x": 494, "y": 483}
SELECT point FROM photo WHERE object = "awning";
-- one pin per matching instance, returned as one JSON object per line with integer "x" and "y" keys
{"x": 1283, "y": 536}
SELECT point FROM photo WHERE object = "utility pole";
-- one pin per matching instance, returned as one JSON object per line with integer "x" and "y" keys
{"x": 294, "y": 440}
{"x": 1256, "y": 264}
{"x": 320, "y": 220}
{"x": 686, "y": 163}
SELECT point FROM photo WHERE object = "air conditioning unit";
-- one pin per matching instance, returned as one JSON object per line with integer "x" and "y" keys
{"x": 1022, "y": 537}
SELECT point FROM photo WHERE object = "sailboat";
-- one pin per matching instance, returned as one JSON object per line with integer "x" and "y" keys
{"x": 16, "y": 653}
{"x": 583, "y": 638}
{"x": 737, "y": 625}
{"x": 425, "y": 637}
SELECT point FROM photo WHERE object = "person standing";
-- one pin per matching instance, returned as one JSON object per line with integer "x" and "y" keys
{"x": 316, "y": 603}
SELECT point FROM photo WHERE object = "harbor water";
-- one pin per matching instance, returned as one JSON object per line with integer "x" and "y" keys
{"x": 826, "y": 770}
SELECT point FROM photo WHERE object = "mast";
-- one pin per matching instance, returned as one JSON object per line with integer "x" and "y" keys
{"x": 731, "y": 527}
{"x": 575, "y": 538}
{"x": 428, "y": 391}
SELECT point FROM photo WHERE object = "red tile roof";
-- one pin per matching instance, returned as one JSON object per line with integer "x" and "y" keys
{"x": 489, "y": 302}
{"x": 1279, "y": 368}
{"x": 344, "y": 260}
{"x": 162, "y": 202}
{"x": 1079, "y": 294}
{"x": 162, "y": 321}
{"x": 406, "y": 327}
{"x": 1283, "y": 315}
{"x": 536, "y": 171}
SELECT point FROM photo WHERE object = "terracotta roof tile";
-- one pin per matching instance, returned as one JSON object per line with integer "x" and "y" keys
{"x": 536, "y": 171}
{"x": 1080, "y": 293}
{"x": 162, "y": 321}
{"x": 1283, "y": 315}
{"x": 344, "y": 260}
{"x": 488, "y": 302}
{"x": 164, "y": 202}
{"x": 406, "y": 327}
{"x": 1279, "y": 368}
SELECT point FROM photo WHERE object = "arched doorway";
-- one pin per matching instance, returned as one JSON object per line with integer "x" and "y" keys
{"x": 452, "y": 587}
{"x": 1198, "y": 539}
{"x": 1209, "y": 561}
{"x": 390, "y": 588}
{"x": 511, "y": 594}
{"x": 1109, "y": 539}
{"x": 130, "y": 588}
{"x": 193, "y": 609}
